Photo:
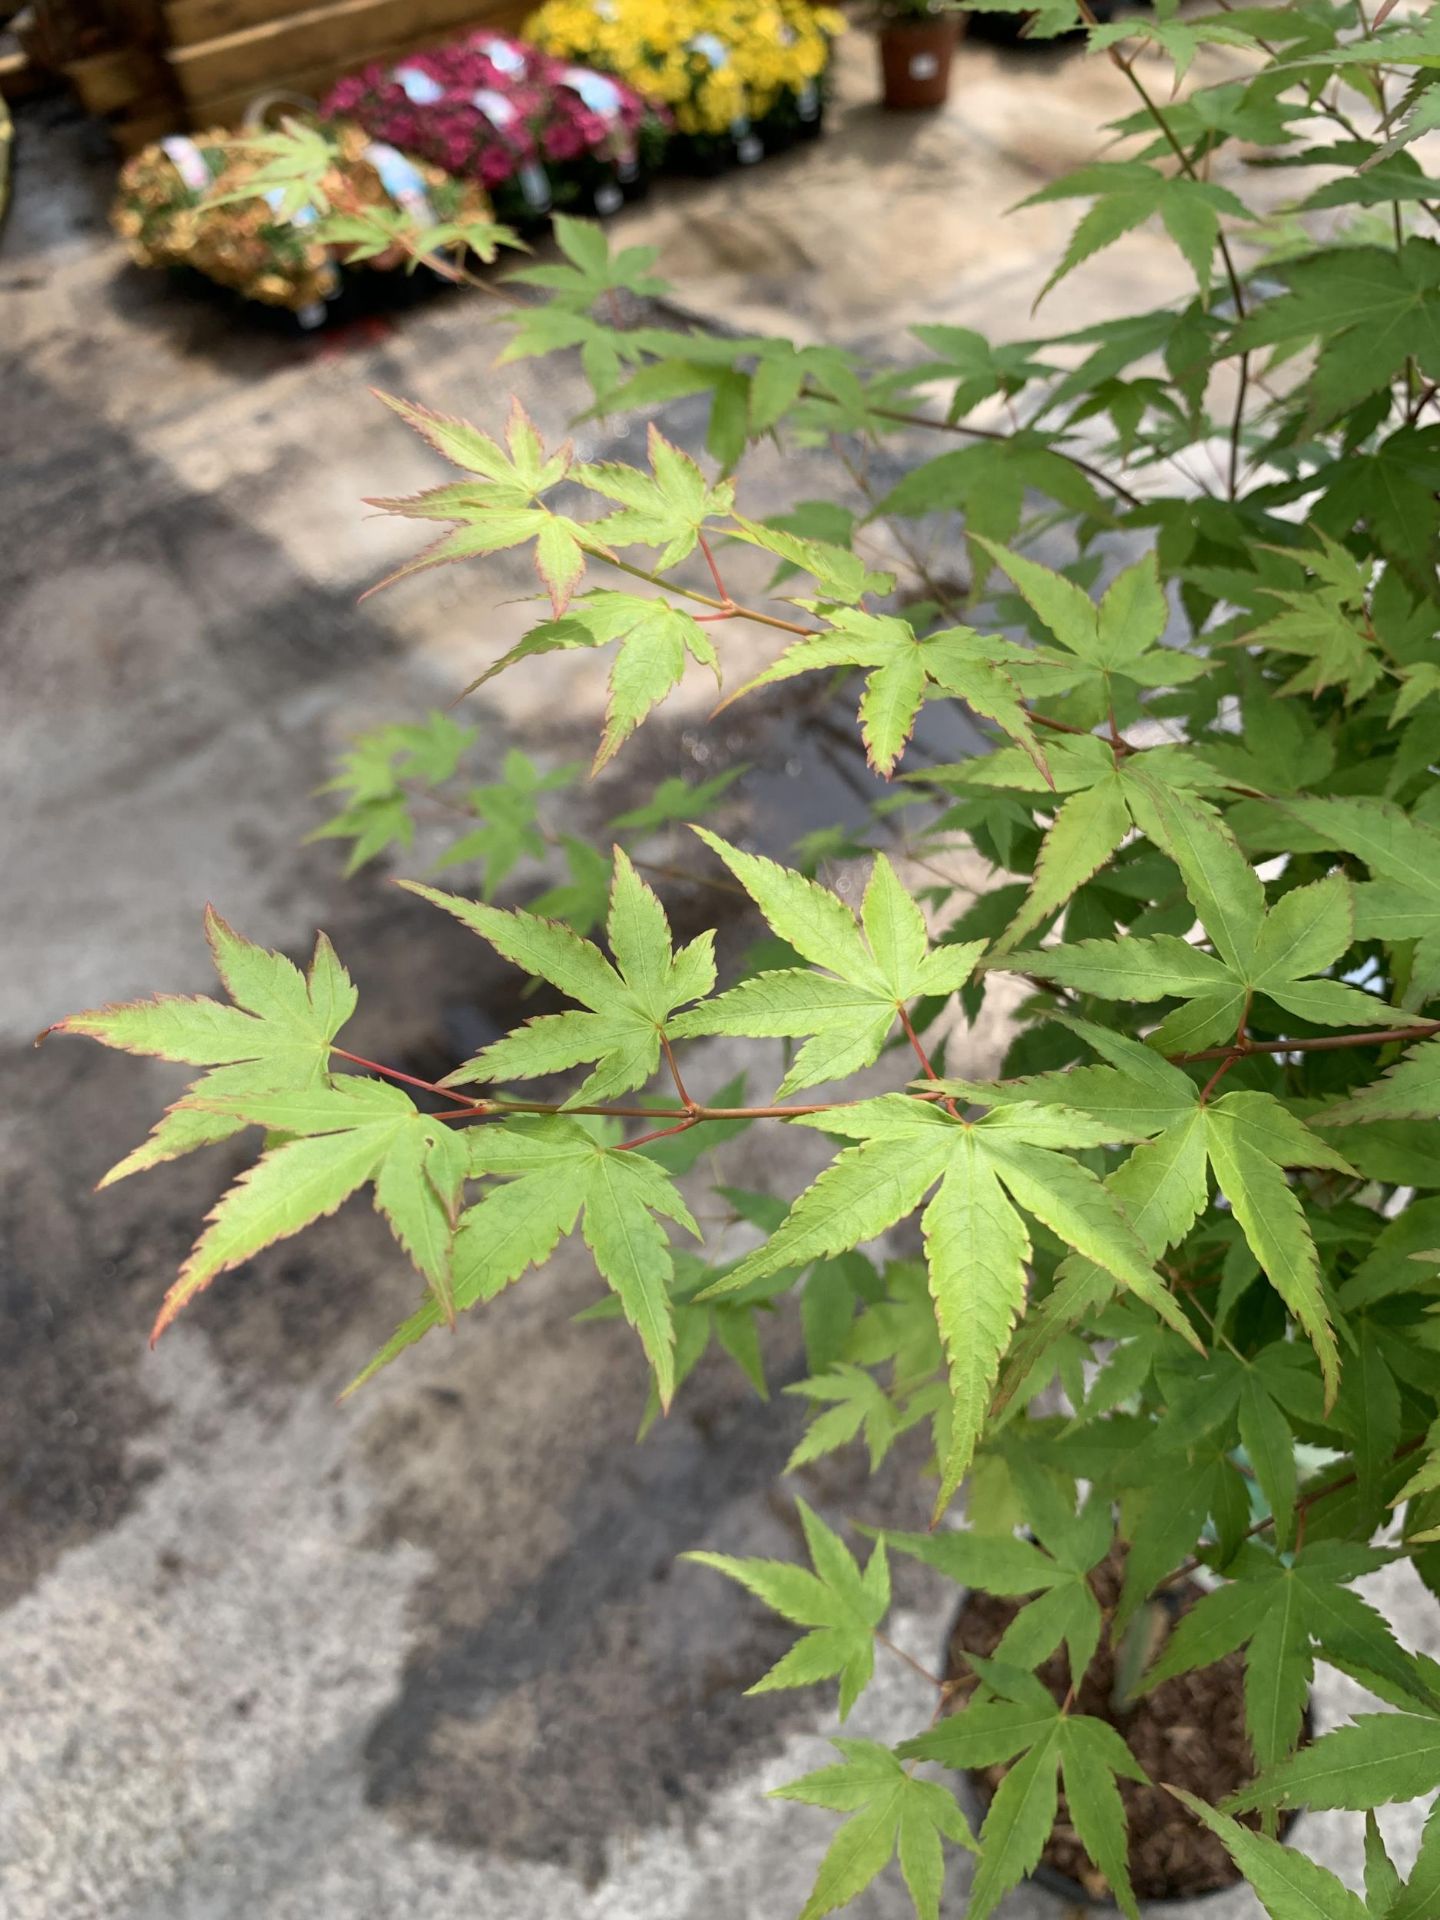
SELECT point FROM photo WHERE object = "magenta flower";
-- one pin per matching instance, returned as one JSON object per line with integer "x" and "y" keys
{"x": 486, "y": 105}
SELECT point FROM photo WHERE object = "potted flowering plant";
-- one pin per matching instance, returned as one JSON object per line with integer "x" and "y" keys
{"x": 738, "y": 81}
{"x": 532, "y": 130}
{"x": 220, "y": 205}
{"x": 917, "y": 42}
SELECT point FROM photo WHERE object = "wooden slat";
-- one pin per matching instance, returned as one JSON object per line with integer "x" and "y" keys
{"x": 258, "y": 56}
{"x": 110, "y": 82}
{"x": 192, "y": 22}
{"x": 227, "y": 106}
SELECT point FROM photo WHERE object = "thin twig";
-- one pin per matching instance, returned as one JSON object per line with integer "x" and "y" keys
{"x": 670, "y": 1061}
{"x": 660, "y": 1133}
{"x": 1323, "y": 1043}
{"x": 1118, "y": 488}
{"x": 728, "y": 609}
{"x": 1302, "y": 1506}
{"x": 720, "y": 586}
{"x": 914, "y": 1665}
{"x": 410, "y": 1080}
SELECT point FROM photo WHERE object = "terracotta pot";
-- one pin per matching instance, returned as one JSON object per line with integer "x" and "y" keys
{"x": 915, "y": 61}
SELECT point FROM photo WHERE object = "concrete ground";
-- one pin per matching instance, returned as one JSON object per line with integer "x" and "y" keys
{"x": 430, "y": 1654}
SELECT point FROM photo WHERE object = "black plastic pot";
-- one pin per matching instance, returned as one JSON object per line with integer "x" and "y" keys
{"x": 976, "y": 1793}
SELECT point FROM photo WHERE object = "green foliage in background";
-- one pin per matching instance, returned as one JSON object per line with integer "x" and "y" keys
{"x": 1184, "y": 1248}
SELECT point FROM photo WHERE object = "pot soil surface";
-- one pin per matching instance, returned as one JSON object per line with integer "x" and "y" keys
{"x": 1190, "y": 1732}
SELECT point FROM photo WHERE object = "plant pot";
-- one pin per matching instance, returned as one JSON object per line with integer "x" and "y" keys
{"x": 915, "y": 60}
{"x": 1188, "y": 1732}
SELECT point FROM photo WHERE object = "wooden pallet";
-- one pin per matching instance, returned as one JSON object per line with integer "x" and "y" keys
{"x": 152, "y": 67}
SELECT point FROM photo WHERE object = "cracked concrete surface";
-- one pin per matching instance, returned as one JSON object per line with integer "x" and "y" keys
{"x": 431, "y": 1653}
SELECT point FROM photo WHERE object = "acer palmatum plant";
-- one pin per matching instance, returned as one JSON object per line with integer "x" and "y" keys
{"x": 1175, "y": 1305}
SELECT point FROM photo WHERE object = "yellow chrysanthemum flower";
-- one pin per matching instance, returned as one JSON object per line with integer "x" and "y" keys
{"x": 712, "y": 64}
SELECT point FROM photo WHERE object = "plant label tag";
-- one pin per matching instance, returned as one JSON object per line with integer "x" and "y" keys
{"x": 301, "y": 217}
{"x": 503, "y": 55}
{"x": 499, "y": 111}
{"x": 188, "y": 161}
{"x": 597, "y": 90}
{"x": 627, "y": 168}
{"x": 400, "y": 178}
{"x": 713, "y": 48}
{"x": 608, "y": 198}
{"x": 807, "y": 101}
{"x": 535, "y": 185}
{"x": 923, "y": 66}
{"x": 420, "y": 89}
{"x": 311, "y": 315}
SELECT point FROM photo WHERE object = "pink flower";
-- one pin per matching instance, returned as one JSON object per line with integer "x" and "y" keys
{"x": 548, "y": 115}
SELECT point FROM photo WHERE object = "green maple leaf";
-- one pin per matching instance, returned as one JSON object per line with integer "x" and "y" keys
{"x": 731, "y": 1324}
{"x": 666, "y": 508}
{"x": 1326, "y": 621}
{"x": 295, "y": 163}
{"x": 1287, "y": 1884}
{"x": 1112, "y": 648}
{"x": 1026, "y": 1720}
{"x": 1417, "y": 685}
{"x": 593, "y": 270}
{"x": 1402, "y": 900}
{"x": 1273, "y": 952}
{"x": 509, "y": 814}
{"x": 1374, "y": 1759}
{"x": 1107, "y": 796}
{"x": 339, "y": 1137}
{"x": 902, "y": 671}
{"x": 1372, "y": 308}
{"x": 989, "y": 484}
{"x": 1066, "y": 1610}
{"x": 870, "y": 968}
{"x": 1127, "y": 193}
{"x": 976, "y": 1242}
{"x": 854, "y": 1403}
{"x": 1105, "y": 644}
{"x": 1409, "y": 1091}
{"x": 841, "y": 576}
{"x": 276, "y": 1036}
{"x": 583, "y": 900}
{"x": 626, "y": 1004}
{"x": 840, "y": 1607}
{"x": 1418, "y": 1899}
{"x": 978, "y": 367}
{"x": 655, "y": 639}
{"x": 1180, "y": 40}
{"x": 891, "y": 1812}
{"x": 1286, "y": 1611}
{"x": 555, "y": 1172}
{"x": 372, "y": 775}
{"x": 499, "y": 505}
{"x": 1382, "y": 1883}
{"x": 676, "y": 802}
{"x": 1246, "y": 1138}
